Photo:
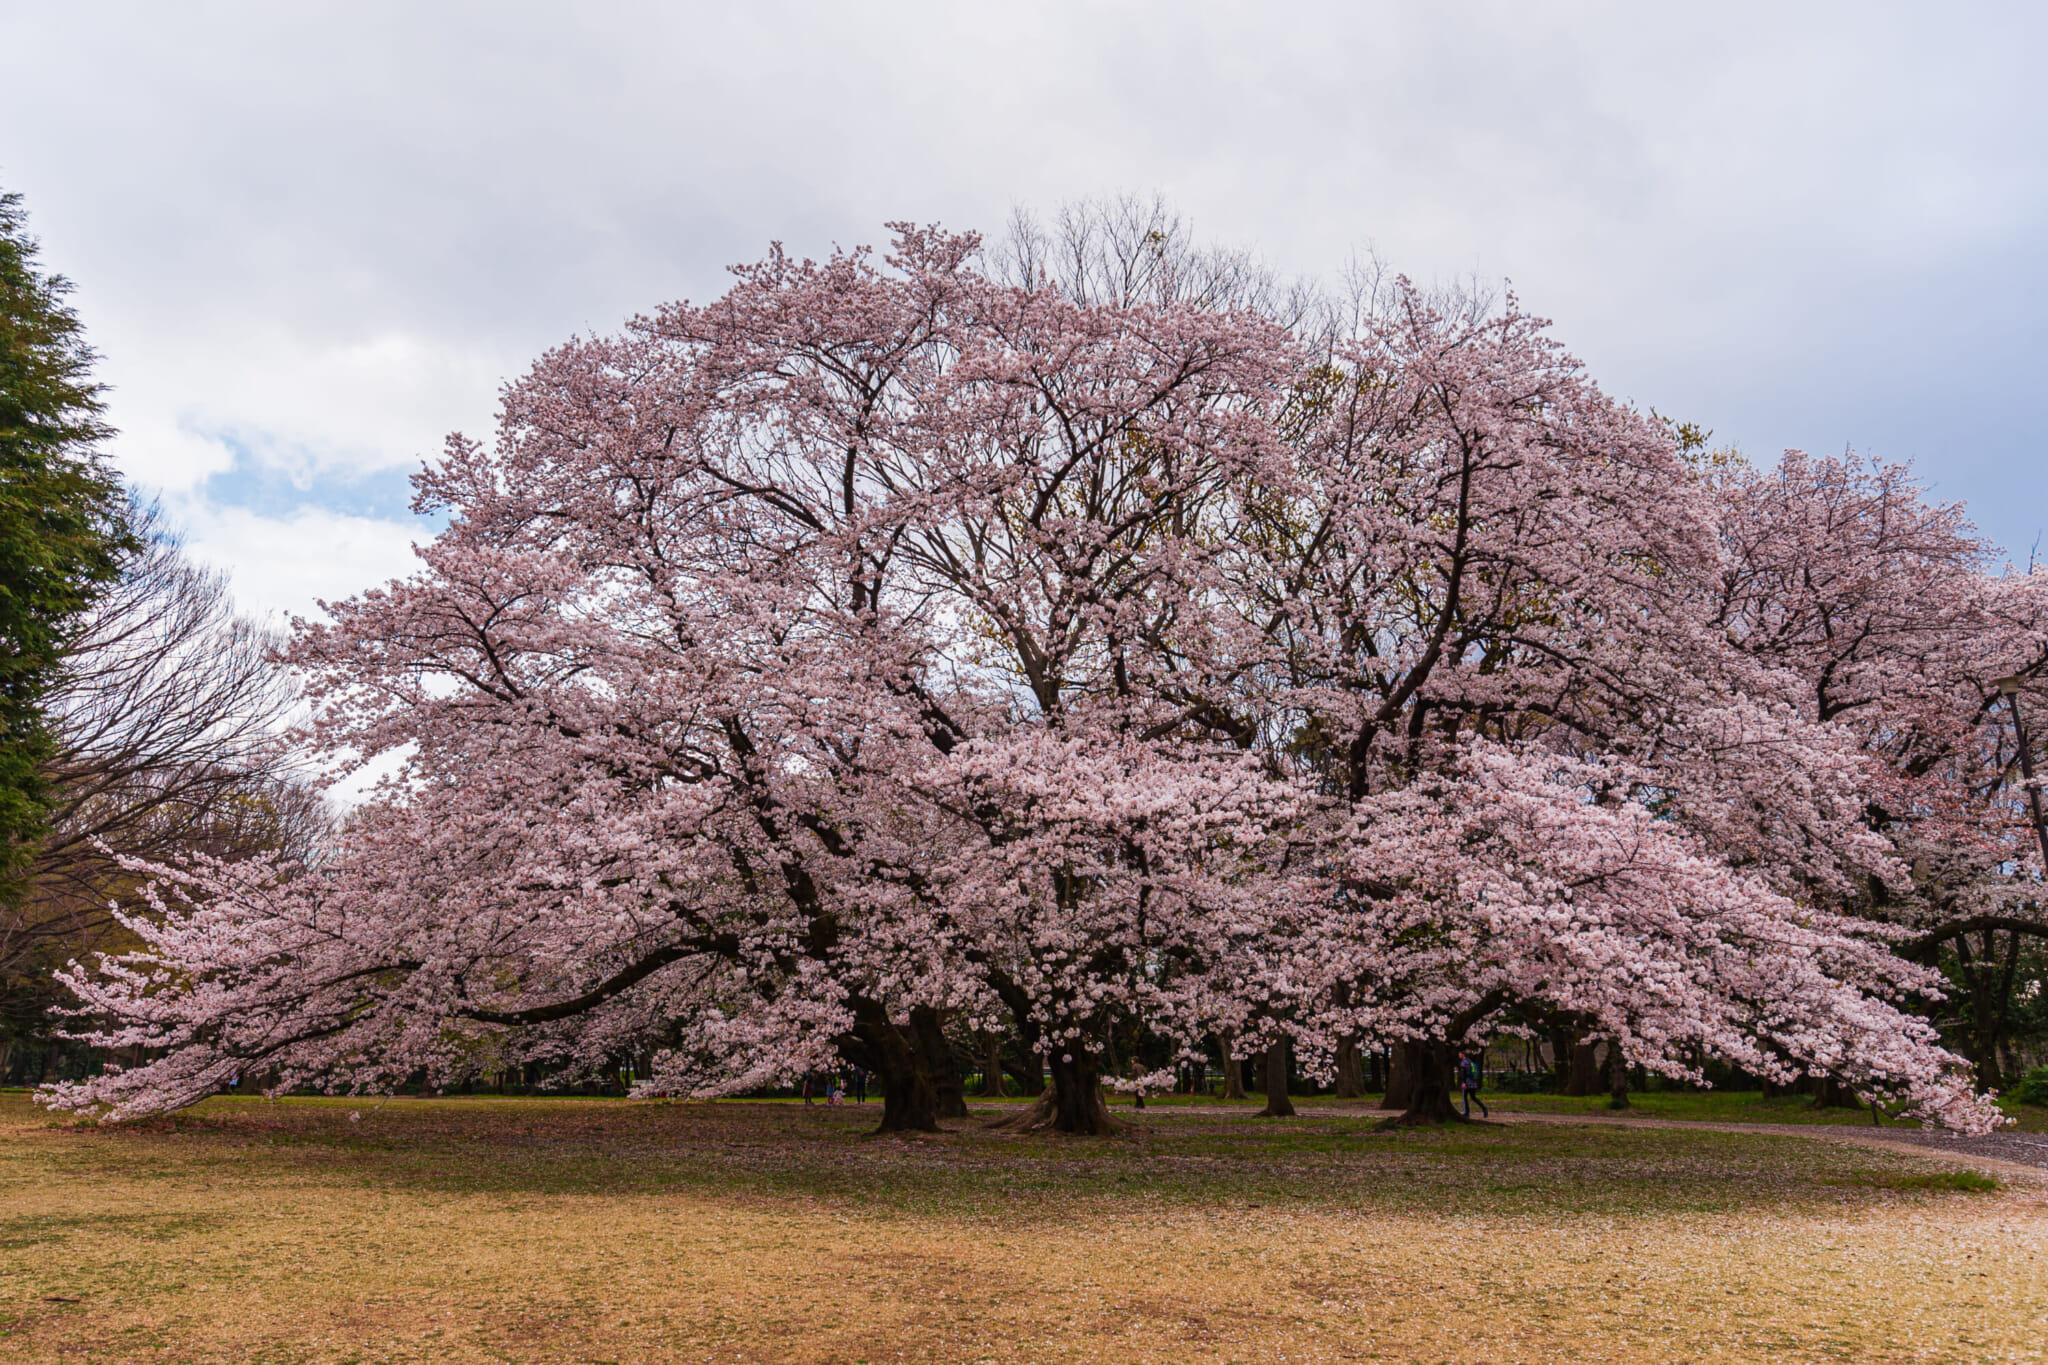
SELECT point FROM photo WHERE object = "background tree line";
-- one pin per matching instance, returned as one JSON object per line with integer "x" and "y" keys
{"x": 138, "y": 712}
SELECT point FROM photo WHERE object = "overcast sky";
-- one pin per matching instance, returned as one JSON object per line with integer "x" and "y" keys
{"x": 310, "y": 240}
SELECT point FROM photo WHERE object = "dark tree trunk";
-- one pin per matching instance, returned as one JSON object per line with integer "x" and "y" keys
{"x": 1077, "y": 1096}
{"x": 1029, "y": 1068}
{"x": 1432, "y": 1069}
{"x": 1028, "y": 1071}
{"x": 1233, "y": 1070}
{"x": 1832, "y": 1094}
{"x": 1585, "y": 1076}
{"x": 928, "y": 1027}
{"x": 1404, "y": 1063}
{"x": 1350, "y": 1071}
{"x": 1073, "y": 1104}
{"x": 1563, "y": 1044}
{"x": 1987, "y": 1002}
{"x": 910, "y": 1103}
{"x": 992, "y": 1067}
{"x": 1278, "y": 1106}
{"x": 1617, "y": 1076}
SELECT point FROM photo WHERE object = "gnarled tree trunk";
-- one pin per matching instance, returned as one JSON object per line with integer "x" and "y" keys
{"x": 910, "y": 1103}
{"x": 1073, "y": 1103}
{"x": 1278, "y": 1106}
{"x": 1432, "y": 1068}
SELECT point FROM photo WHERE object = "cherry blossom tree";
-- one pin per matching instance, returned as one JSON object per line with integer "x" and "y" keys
{"x": 1886, "y": 616}
{"x": 1477, "y": 545}
{"x": 1521, "y": 879}
{"x": 889, "y": 641}
{"x": 712, "y": 694}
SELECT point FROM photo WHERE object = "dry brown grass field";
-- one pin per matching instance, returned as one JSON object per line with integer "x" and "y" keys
{"x": 579, "y": 1230}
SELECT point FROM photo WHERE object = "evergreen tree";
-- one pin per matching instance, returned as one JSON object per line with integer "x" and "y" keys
{"x": 62, "y": 525}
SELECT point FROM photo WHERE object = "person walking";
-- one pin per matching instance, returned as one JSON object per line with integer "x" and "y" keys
{"x": 1469, "y": 1079}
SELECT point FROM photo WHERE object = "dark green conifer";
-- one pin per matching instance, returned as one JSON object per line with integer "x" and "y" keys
{"x": 63, "y": 531}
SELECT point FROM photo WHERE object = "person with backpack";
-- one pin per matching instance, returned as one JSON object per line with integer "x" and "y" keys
{"x": 1470, "y": 1077}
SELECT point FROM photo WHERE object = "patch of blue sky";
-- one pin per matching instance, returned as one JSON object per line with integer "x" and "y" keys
{"x": 269, "y": 487}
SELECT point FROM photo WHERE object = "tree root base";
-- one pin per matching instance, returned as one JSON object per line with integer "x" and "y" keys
{"x": 1412, "y": 1119}
{"x": 903, "y": 1129}
{"x": 1043, "y": 1116}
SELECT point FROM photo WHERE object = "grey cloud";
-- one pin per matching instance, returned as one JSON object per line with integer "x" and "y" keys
{"x": 334, "y": 229}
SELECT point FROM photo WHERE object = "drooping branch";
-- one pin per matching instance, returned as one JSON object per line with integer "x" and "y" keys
{"x": 1923, "y": 947}
{"x": 622, "y": 980}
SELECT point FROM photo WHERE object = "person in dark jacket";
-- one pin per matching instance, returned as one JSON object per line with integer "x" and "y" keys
{"x": 1469, "y": 1079}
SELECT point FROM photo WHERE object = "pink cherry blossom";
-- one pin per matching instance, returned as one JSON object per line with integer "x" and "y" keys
{"x": 884, "y": 641}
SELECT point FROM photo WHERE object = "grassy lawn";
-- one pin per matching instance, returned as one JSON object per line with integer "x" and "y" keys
{"x": 591, "y": 1230}
{"x": 1712, "y": 1106}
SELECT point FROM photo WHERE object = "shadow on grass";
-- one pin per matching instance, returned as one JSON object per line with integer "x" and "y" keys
{"x": 1163, "y": 1158}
